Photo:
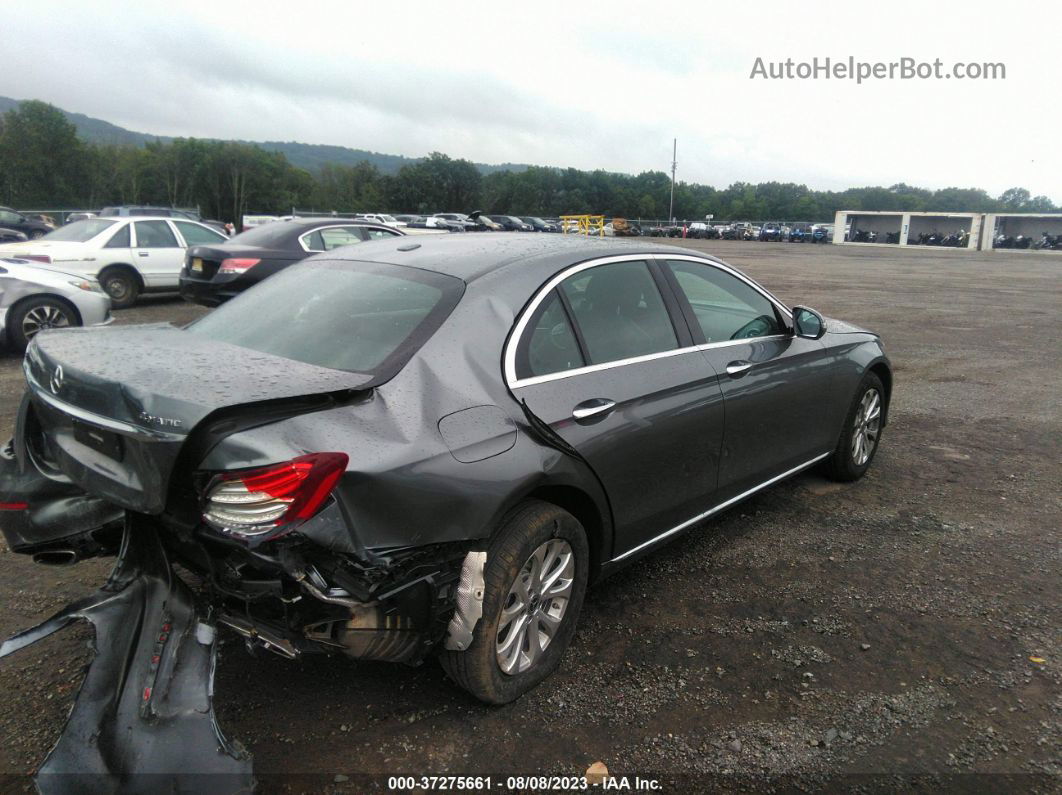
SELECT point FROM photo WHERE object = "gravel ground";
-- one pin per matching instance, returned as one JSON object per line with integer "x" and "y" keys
{"x": 864, "y": 636}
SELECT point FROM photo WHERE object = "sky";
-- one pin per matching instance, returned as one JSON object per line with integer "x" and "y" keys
{"x": 589, "y": 85}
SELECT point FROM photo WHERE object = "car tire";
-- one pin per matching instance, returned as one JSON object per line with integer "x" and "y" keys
{"x": 861, "y": 434}
{"x": 35, "y": 234}
{"x": 534, "y": 531}
{"x": 37, "y": 314}
{"x": 122, "y": 285}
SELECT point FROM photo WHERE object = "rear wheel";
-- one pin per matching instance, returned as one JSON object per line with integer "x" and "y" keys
{"x": 122, "y": 285}
{"x": 535, "y": 580}
{"x": 36, "y": 315}
{"x": 862, "y": 432}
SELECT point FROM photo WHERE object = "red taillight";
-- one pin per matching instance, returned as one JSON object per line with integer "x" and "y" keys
{"x": 37, "y": 258}
{"x": 238, "y": 264}
{"x": 13, "y": 506}
{"x": 256, "y": 502}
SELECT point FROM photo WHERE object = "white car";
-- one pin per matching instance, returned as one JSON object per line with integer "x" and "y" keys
{"x": 127, "y": 255}
{"x": 380, "y": 218}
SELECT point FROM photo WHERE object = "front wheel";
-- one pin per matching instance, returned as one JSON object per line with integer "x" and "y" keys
{"x": 535, "y": 580}
{"x": 862, "y": 432}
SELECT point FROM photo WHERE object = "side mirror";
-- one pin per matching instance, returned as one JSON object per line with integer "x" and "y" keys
{"x": 808, "y": 323}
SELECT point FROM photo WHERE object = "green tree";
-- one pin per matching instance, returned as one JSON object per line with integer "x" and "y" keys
{"x": 43, "y": 162}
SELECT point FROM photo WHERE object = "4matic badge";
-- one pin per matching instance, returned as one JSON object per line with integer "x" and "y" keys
{"x": 162, "y": 422}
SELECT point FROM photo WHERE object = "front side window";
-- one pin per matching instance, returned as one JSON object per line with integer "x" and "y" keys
{"x": 726, "y": 307}
{"x": 196, "y": 235}
{"x": 549, "y": 345}
{"x": 119, "y": 239}
{"x": 619, "y": 312}
{"x": 155, "y": 234}
{"x": 10, "y": 217}
{"x": 363, "y": 317}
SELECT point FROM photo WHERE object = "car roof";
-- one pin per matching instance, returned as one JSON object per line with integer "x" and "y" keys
{"x": 471, "y": 255}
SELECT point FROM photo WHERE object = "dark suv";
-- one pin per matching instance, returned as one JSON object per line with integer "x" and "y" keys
{"x": 164, "y": 212}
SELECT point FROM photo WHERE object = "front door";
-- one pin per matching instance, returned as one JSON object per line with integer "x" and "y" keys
{"x": 603, "y": 364}
{"x": 775, "y": 385}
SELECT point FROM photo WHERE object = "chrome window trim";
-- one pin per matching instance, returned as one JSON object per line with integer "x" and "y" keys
{"x": 726, "y": 504}
{"x": 509, "y": 358}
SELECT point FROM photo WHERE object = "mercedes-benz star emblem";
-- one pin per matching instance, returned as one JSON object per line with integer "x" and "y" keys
{"x": 56, "y": 382}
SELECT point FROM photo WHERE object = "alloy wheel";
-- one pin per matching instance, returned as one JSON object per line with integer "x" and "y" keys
{"x": 866, "y": 427}
{"x": 43, "y": 317}
{"x": 535, "y": 606}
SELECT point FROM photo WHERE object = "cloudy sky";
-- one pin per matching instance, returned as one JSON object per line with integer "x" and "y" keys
{"x": 590, "y": 85}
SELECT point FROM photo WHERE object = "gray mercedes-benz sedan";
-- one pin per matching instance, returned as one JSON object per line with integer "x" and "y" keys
{"x": 410, "y": 448}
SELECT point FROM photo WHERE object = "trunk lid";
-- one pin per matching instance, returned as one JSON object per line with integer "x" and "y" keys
{"x": 116, "y": 406}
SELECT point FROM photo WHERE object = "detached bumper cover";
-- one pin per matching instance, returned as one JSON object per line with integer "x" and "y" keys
{"x": 143, "y": 719}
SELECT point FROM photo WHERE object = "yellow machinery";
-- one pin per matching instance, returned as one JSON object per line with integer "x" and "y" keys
{"x": 583, "y": 224}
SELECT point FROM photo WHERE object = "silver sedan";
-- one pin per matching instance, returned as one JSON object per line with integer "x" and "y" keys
{"x": 33, "y": 299}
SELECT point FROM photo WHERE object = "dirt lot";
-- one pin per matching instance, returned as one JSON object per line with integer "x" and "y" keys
{"x": 818, "y": 635}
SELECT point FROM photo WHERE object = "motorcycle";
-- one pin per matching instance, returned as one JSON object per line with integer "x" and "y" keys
{"x": 957, "y": 240}
{"x": 892, "y": 237}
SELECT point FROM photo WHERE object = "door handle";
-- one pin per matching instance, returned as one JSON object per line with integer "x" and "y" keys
{"x": 143, "y": 253}
{"x": 593, "y": 409}
{"x": 738, "y": 369}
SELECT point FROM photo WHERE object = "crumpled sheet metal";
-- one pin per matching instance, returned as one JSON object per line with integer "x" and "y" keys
{"x": 143, "y": 720}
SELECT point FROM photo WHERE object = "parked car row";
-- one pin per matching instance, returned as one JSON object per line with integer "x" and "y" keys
{"x": 769, "y": 232}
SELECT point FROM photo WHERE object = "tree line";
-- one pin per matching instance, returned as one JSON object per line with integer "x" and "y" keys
{"x": 43, "y": 164}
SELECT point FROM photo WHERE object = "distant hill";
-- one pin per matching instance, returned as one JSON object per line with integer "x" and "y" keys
{"x": 308, "y": 156}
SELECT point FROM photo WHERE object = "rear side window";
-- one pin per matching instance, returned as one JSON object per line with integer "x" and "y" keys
{"x": 376, "y": 234}
{"x": 619, "y": 312}
{"x": 119, "y": 239}
{"x": 550, "y": 345}
{"x": 363, "y": 317}
{"x": 329, "y": 238}
{"x": 196, "y": 235}
{"x": 155, "y": 234}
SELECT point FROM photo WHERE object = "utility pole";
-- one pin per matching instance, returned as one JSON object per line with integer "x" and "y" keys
{"x": 674, "y": 165}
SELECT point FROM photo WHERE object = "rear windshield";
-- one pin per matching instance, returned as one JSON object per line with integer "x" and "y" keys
{"x": 79, "y": 231}
{"x": 363, "y": 317}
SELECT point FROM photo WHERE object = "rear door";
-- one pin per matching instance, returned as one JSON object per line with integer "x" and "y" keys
{"x": 159, "y": 254}
{"x": 776, "y": 386}
{"x": 602, "y": 361}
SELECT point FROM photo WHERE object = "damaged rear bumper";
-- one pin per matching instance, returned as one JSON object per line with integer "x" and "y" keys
{"x": 143, "y": 718}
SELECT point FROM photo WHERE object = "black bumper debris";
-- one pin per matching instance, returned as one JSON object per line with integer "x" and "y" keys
{"x": 143, "y": 719}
